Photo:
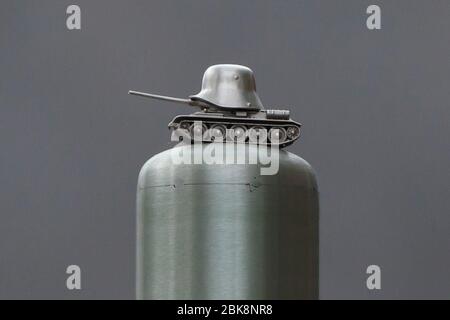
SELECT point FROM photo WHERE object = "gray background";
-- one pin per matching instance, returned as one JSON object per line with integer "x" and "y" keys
{"x": 374, "y": 104}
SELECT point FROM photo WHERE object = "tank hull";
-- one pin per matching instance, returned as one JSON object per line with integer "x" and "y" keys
{"x": 225, "y": 231}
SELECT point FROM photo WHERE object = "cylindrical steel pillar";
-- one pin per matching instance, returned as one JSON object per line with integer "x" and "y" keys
{"x": 221, "y": 231}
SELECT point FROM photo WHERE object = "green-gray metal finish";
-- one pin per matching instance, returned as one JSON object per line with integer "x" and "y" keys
{"x": 226, "y": 231}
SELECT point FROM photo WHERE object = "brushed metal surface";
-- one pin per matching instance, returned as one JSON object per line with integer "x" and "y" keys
{"x": 225, "y": 231}
{"x": 229, "y": 86}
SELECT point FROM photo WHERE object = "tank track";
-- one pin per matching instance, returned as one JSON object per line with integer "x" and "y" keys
{"x": 288, "y": 130}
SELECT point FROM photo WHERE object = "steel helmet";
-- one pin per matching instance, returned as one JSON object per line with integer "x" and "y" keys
{"x": 229, "y": 86}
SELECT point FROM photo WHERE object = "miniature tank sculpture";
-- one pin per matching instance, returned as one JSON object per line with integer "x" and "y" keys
{"x": 231, "y": 111}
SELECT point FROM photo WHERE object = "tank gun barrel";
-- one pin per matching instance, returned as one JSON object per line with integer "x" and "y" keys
{"x": 166, "y": 98}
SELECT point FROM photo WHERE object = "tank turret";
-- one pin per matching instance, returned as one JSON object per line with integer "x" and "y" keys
{"x": 231, "y": 111}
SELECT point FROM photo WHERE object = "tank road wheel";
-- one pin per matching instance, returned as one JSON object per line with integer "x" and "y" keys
{"x": 182, "y": 132}
{"x": 197, "y": 131}
{"x": 257, "y": 135}
{"x": 237, "y": 133}
{"x": 277, "y": 135}
{"x": 217, "y": 132}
